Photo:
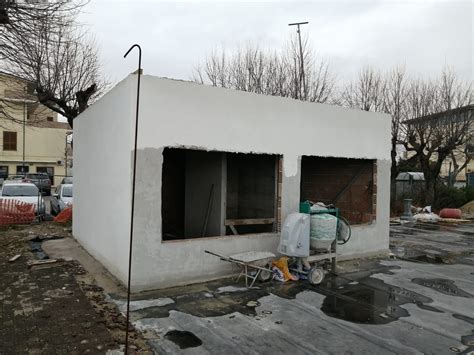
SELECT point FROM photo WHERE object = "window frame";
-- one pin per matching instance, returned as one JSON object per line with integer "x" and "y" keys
{"x": 8, "y": 143}
{"x": 6, "y": 169}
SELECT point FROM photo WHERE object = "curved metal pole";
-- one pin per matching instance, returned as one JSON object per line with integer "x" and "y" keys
{"x": 133, "y": 190}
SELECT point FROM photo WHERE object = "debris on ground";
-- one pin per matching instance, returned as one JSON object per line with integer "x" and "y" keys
{"x": 468, "y": 210}
{"x": 14, "y": 258}
{"x": 64, "y": 216}
{"x": 427, "y": 217}
{"x": 33, "y": 263}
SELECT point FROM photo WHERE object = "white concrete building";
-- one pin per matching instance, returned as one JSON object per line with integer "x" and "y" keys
{"x": 209, "y": 158}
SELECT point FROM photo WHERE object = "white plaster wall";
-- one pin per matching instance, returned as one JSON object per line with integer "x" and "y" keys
{"x": 178, "y": 113}
{"x": 175, "y": 113}
{"x": 102, "y": 168}
{"x": 373, "y": 238}
{"x": 158, "y": 264}
{"x": 182, "y": 113}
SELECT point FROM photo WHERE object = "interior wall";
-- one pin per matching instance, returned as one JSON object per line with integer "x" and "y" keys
{"x": 251, "y": 189}
{"x": 204, "y": 172}
{"x": 173, "y": 193}
{"x": 324, "y": 178}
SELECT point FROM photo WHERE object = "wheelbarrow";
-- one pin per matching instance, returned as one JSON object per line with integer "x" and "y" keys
{"x": 254, "y": 265}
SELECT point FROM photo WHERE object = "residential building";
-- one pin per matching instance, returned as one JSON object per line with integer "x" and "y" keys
{"x": 32, "y": 139}
{"x": 220, "y": 170}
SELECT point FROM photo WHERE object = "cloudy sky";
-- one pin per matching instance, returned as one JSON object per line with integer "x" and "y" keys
{"x": 423, "y": 35}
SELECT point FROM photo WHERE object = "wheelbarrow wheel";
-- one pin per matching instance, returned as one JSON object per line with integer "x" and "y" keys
{"x": 316, "y": 275}
{"x": 265, "y": 275}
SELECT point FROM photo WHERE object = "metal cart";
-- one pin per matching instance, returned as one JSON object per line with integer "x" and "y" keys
{"x": 315, "y": 274}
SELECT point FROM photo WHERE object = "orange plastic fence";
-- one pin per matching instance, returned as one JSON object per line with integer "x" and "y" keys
{"x": 16, "y": 212}
{"x": 64, "y": 216}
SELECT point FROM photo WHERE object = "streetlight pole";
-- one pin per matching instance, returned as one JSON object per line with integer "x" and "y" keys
{"x": 302, "y": 76}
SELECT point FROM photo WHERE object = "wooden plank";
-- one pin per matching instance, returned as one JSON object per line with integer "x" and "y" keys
{"x": 41, "y": 262}
{"x": 249, "y": 221}
{"x": 14, "y": 258}
{"x": 232, "y": 228}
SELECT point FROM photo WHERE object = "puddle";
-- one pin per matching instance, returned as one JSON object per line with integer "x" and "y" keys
{"x": 183, "y": 339}
{"x": 354, "y": 297}
{"x": 36, "y": 245}
{"x": 371, "y": 301}
{"x": 444, "y": 286}
{"x": 432, "y": 257}
{"x": 464, "y": 318}
{"x": 429, "y": 308}
{"x": 468, "y": 339}
{"x": 201, "y": 305}
{"x": 37, "y": 250}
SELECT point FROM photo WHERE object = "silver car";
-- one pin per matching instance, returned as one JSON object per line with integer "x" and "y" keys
{"x": 61, "y": 199}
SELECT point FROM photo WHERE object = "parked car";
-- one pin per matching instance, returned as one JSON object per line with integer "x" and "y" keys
{"x": 24, "y": 192}
{"x": 61, "y": 198}
{"x": 16, "y": 178}
{"x": 42, "y": 182}
{"x": 67, "y": 180}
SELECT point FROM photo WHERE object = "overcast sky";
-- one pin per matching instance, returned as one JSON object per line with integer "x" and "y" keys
{"x": 423, "y": 35}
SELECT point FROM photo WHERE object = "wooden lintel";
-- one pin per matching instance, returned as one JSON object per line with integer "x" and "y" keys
{"x": 249, "y": 221}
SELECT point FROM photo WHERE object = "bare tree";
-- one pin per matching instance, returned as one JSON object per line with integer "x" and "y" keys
{"x": 366, "y": 92}
{"x": 43, "y": 44}
{"x": 421, "y": 122}
{"x": 460, "y": 159}
{"x": 393, "y": 103}
{"x": 272, "y": 73}
{"x": 439, "y": 122}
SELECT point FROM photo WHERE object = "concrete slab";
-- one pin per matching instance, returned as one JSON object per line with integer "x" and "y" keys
{"x": 380, "y": 307}
{"x": 374, "y": 306}
{"x": 69, "y": 248}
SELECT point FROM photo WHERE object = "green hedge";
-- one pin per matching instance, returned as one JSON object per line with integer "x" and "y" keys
{"x": 452, "y": 197}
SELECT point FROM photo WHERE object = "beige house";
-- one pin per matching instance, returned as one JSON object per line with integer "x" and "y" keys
{"x": 31, "y": 137}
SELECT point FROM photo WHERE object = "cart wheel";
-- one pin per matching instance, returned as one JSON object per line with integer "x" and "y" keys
{"x": 343, "y": 231}
{"x": 265, "y": 275}
{"x": 315, "y": 276}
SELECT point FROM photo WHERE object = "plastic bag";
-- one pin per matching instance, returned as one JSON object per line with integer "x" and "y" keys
{"x": 323, "y": 226}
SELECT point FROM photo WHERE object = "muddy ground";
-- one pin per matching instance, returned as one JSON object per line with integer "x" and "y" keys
{"x": 54, "y": 308}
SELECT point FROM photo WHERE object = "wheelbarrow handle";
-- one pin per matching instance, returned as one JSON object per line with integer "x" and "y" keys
{"x": 222, "y": 257}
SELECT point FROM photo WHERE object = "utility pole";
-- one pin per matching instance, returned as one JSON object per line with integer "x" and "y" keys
{"x": 66, "y": 151}
{"x": 302, "y": 76}
{"x": 23, "y": 149}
